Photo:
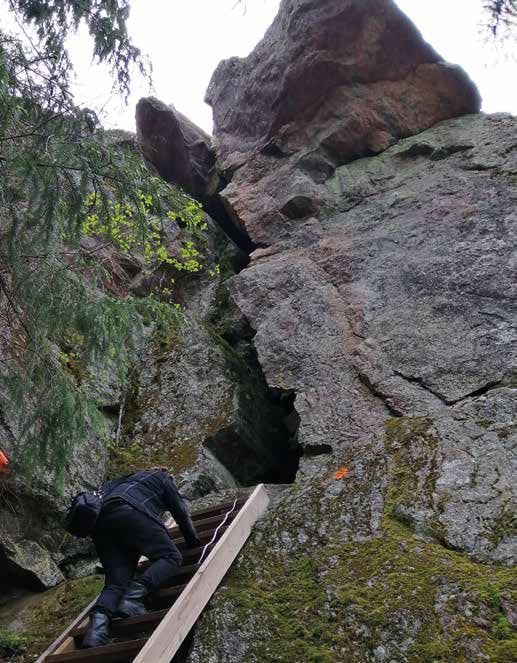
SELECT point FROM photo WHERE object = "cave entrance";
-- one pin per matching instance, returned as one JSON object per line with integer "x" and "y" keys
{"x": 263, "y": 447}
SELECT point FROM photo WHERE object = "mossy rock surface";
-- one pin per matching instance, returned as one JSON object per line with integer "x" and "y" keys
{"x": 414, "y": 600}
{"x": 57, "y": 608}
{"x": 316, "y": 585}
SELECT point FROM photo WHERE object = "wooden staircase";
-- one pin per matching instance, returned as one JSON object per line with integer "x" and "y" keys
{"x": 157, "y": 635}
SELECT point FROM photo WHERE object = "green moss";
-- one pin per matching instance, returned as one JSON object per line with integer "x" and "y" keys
{"x": 133, "y": 457}
{"x": 505, "y": 652}
{"x": 58, "y": 607}
{"x": 183, "y": 455}
{"x": 411, "y": 444}
{"x": 168, "y": 340}
{"x": 342, "y": 600}
{"x": 503, "y": 527}
{"x": 401, "y": 431}
{"x": 310, "y": 605}
{"x": 11, "y": 643}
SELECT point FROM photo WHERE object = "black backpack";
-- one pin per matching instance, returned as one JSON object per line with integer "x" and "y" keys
{"x": 82, "y": 514}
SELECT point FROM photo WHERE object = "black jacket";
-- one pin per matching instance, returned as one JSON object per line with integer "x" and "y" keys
{"x": 152, "y": 492}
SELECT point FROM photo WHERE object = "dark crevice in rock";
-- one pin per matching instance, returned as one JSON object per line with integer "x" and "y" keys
{"x": 111, "y": 410}
{"x": 424, "y": 149}
{"x": 391, "y": 407}
{"x": 215, "y": 208}
{"x": 299, "y": 207}
{"x": 479, "y": 392}
{"x": 473, "y": 394}
{"x": 310, "y": 450}
{"x": 13, "y": 578}
{"x": 420, "y": 382}
{"x": 261, "y": 446}
{"x": 264, "y": 447}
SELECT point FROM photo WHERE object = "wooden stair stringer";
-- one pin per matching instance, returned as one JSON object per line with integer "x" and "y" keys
{"x": 175, "y": 626}
{"x": 173, "y": 623}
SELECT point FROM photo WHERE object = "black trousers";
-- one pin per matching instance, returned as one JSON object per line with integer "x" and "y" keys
{"x": 121, "y": 536}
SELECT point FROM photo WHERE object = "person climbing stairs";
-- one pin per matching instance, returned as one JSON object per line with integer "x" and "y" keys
{"x": 155, "y": 636}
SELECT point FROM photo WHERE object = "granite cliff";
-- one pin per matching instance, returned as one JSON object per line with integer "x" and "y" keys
{"x": 352, "y": 338}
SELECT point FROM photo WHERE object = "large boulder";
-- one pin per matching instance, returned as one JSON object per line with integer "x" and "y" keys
{"x": 347, "y": 77}
{"x": 180, "y": 151}
{"x": 182, "y": 154}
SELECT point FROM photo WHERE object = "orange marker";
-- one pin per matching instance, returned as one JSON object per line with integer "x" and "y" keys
{"x": 342, "y": 473}
{"x": 4, "y": 462}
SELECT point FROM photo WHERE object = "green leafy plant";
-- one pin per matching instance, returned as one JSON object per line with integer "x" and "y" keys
{"x": 11, "y": 644}
{"x": 68, "y": 196}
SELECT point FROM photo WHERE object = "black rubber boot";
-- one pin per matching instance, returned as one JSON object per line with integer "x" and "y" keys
{"x": 98, "y": 632}
{"x": 132, "y": 603}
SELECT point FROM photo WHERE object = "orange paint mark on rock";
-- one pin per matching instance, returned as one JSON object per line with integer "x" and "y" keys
{"x": 342, "y": 473}
{"x": 4, "y": 462}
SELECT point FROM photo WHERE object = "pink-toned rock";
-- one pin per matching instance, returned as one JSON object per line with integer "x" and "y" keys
{"x": 348, "y": 77}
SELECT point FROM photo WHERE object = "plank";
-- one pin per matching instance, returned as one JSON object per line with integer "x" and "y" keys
{"x": 115, "y": 653}
{"x": 175, "y": 626}
{"x": 218, "y": 508}
{"x": 207, "y": 523}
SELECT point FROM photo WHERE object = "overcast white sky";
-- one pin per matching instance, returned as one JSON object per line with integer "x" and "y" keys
{"x": 186, "y": 39}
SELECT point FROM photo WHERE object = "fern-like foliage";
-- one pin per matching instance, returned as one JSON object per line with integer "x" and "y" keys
{"x": 502, "y": 16}
{"x": 62, "y": 187}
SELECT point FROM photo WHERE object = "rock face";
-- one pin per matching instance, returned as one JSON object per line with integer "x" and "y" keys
{"x": 206, "y": 413}
{"x": 33, "y": 544}
{"x": 181, "y": 151}
{"x": 391, "y": 316}
{"x": 382, "y": 297}
{"x": 345, "y": 77}
{"x": 182, "y": 154}
{"x": 373, "y": 333}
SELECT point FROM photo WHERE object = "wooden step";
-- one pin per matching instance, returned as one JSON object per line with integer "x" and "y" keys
{"x": 167, "y": 595}
{"x": 118, "y": 652}
{"x": 204, "y": 537}
{"x": 182, "y": 575}
{"x": 214, "y": 510}
{"x": 207, "y": 523}
{"x": 190, "y": 555}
